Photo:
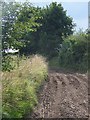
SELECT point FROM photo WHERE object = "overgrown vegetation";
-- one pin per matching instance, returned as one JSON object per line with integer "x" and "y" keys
{"x": 20, "y": 86}
{"x": 33, "y": 30}
{"x": 74, "y": 52}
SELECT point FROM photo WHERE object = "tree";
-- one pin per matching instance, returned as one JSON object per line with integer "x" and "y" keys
{"x": 55, "y": 25}
{"x": 9, "y": 15}
{"x": 10, "y": 12}
{"x": 28, "y": 25}
{"x": 18, "y": 20}
{"x": 33, "y": 29}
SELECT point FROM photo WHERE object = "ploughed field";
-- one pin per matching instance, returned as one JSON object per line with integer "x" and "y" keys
{"x": 63, "y": 95}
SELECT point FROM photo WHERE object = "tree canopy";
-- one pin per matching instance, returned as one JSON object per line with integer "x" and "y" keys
{"x": 55, "y": 25}
{"x": 17, "y": 20}
{"x": 32, "y": 29}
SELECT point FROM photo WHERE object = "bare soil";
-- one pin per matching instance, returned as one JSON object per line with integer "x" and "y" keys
{"x": 63, "y": 95}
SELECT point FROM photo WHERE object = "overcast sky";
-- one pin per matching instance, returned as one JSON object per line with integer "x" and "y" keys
{"x": 77, "y": 9}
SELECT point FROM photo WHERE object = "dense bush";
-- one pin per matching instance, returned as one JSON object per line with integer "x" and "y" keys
{"x": 73, "y": 52}
{"x": 9, "y": 62}
{"x": 20, "y": 86}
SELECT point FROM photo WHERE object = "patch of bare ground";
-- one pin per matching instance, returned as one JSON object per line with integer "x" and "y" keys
{"x": 64, "y": 95}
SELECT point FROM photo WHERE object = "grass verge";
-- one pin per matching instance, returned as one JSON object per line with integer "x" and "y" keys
{"x": 20, "y": 86}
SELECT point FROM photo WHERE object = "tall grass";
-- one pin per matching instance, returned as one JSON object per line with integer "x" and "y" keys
{"x": 20, "y": 86}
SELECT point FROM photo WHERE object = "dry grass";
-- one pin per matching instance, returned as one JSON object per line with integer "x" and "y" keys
{"x": 21, "y": 84}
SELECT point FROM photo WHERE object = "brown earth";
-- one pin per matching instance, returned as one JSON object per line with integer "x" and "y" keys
{"x": 64, "y": 95}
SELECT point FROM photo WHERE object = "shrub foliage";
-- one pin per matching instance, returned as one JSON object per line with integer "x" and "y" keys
{"x": 73, "y": 52}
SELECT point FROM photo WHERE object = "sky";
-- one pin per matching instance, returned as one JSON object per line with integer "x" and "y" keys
{"x": 77, "y": 9}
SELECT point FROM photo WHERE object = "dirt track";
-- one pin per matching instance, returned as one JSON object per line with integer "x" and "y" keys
{"x": 64, "y": 95}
